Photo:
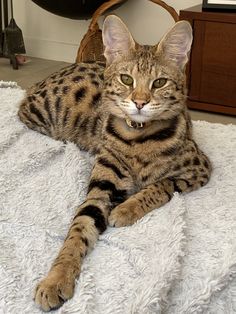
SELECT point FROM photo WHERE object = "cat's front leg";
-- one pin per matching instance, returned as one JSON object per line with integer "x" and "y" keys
{"x": 59, "y": 284}
{"x": 157, "y": 194}
{"x": 109, "y": 185}
{"x": 139, "y": 204}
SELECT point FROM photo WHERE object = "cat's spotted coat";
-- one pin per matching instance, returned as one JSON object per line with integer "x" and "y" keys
{"x": 132, "y": 115}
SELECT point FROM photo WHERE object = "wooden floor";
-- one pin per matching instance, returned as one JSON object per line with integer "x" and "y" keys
{"x": 31, "y": 72}
{"x": 37, "y": 69}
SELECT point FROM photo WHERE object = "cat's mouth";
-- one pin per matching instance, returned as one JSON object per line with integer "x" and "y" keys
{"x": 130, "y": 111}
{"x": 139, "y": 116}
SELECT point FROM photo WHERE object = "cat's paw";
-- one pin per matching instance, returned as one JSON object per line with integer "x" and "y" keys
{"x": 125, "y": 214}
{"x": 53, "y": 291}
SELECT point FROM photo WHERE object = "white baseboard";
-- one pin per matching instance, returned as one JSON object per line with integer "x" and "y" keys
{"x": 52, "y": 50}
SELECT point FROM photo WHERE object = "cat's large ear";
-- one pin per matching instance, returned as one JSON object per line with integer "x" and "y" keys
{"x": 176, "y": 44}
{"x": 116, "y": 39}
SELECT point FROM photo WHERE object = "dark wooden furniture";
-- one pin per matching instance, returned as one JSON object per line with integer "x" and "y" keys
{"x": 212, "y": 66}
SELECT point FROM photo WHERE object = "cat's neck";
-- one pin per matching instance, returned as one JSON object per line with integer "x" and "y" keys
{"x": 130, "y": 130}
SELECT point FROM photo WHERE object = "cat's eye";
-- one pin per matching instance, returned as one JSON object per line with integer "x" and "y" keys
{"x": 159, "y": 83}
{"x": 127, "y": 79}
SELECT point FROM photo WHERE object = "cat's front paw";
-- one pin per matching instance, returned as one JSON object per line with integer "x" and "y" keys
{"x": 125, "y": 214}
{"x": 54, "y": 290}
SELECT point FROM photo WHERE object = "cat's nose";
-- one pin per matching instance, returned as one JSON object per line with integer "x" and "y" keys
{"x": 140, "y": 103}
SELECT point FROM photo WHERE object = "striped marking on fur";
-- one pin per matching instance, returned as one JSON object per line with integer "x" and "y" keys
{"x": 95, "y": 213}
{"x": 116, "y": 196}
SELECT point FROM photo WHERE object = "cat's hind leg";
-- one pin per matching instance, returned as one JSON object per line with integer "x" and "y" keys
{"x": 34, "y": 113}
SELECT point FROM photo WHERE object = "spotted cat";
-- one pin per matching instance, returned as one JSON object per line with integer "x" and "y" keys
{"x": 132, "y": 115}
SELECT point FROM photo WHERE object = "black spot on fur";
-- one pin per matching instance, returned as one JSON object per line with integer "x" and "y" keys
{"x": 144, "y": 178}
{"x": 69, "y": 72}
{"x": 43, "y": 93}
{"x": 63, "y": 73}
{"x": 101, "y": 63}
{"x": 42, "y": 85}
{"x": 177, "y": 167}
{"x": 101, "y": 76}
{"x": 196, "y": 161}
{"x": 84, "y": 240}
{"x": 186, "y": 162}
{"x": 55, "y": 90}
{"x": 82, "y": 69}
{"x": 77, "y": 78}
{"x": 96, "y": 99}
{"x": 65, "y": 89}
{"x": 112, "y": 93}
{"x": 95, "y": 83}
{"x": 206, "y": 164}
{"x": 92, "y": 75}
{"x": 77, "y": 229}
{"x": 80, "y": 93}
{"x": 61, "y": 81}
{"x": 176, "y": 186}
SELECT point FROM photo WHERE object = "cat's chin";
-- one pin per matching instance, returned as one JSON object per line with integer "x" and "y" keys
{"x": 139, "y": 118}
{"x": 144, "y": 119}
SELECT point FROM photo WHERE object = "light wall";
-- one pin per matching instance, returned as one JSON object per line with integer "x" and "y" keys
{"x": 53, "y": 37}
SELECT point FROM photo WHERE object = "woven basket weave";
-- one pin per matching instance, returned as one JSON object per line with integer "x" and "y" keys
{"x": 91, "y": 46}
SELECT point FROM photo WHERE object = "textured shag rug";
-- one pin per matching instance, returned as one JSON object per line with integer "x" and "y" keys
{"x": 180, "y": 258}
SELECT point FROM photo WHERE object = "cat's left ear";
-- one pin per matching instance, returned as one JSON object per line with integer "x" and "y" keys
{"x": 117, "y": 39}
{"x": 176, "y": 44}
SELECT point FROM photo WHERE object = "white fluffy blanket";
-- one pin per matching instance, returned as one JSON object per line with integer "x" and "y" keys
{"x": 180, "y": 258}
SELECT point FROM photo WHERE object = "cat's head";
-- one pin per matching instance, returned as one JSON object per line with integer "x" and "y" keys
{"x": 145, "y": 83}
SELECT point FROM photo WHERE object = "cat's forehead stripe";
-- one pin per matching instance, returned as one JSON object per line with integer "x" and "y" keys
{"x": 146, "y": 59}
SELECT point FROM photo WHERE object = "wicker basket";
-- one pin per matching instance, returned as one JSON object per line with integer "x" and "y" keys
{"x": 91, "y": 46}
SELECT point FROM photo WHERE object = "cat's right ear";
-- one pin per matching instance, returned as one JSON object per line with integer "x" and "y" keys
{"x": 116, "y": 38}
{"x": 176, "y": 44}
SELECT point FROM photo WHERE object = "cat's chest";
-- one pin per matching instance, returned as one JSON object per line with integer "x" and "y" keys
{"x": 146, "y": 169}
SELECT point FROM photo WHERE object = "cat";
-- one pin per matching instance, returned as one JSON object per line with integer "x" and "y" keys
{"x": 132, "y": 115}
